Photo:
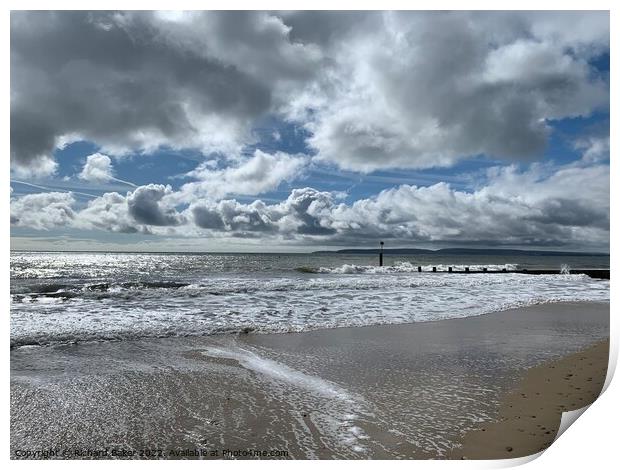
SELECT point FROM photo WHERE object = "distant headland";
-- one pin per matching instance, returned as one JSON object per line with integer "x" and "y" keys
{"x": 459, "y": 251}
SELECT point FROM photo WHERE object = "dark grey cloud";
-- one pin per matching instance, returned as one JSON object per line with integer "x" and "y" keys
{"x": 571, "y": 213}
{"x": 133, "y": 81}
{"x": 374, "y": 89}
{"x": 146, "y": 207}
{"x": 325, "y": 28}
{"x": 209, "y": 218}
{"x": 234, "y": 217}
{"x": 306, "y": 211}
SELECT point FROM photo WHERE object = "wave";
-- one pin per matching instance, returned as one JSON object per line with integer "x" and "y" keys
{"x": 52, "y": 313}
{"x": 185, "y": 329}
{"x": 58, "y": 290}
{"x": 403, "y": 267}
{"x": 231, "y": 286}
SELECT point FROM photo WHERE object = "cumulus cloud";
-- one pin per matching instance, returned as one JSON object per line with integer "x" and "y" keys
{"x": 43, "y": 211}
{"x": 536, "y": 207}
{"x": 260, "y": 173}
{"x": 109, "y": 213}
{"x": 147, "y": 210}
{"x": 240, "y": 220}
{"x": 427, "y": 89}
{"x": 515, "y": 208}
{"x": 306, "y": 211}
{"x": 147, "y": 205}
{"x": 374, "y": 89}
{"x": 98, "y": 168}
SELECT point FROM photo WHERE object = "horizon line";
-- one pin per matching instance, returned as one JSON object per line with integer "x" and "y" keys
{"x": 360, "y": 251}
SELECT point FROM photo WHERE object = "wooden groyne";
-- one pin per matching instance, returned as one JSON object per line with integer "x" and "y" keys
{"x": 594, "y": 273}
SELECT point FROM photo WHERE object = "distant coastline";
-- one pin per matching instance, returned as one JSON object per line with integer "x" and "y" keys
{"x": 458, "y": 251}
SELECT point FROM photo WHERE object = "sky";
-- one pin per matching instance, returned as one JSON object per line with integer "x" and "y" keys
{"x": 297, "y": 131}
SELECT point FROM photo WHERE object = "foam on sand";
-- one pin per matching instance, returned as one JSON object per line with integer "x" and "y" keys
{"x": 345, "y": 408}
{"x": 281, "y": 372}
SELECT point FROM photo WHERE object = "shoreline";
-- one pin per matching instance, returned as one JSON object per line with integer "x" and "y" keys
{"x": 251, "y": 332}
{"x": 530, "y": 414}
{"x": 402, "y": 391}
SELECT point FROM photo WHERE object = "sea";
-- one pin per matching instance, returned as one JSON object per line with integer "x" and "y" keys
{"x": 73, "y": 297}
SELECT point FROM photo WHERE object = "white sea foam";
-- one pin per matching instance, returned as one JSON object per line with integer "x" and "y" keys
{"x": 343, "y": 408}
{"x": 282, "y": 304}
{"x": 61, "y": 297}
{"x": 407, "y": 267}
{"x": 281, "y": 372}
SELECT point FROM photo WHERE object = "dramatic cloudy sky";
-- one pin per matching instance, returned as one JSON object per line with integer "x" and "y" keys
{"x": 272, "y": 131}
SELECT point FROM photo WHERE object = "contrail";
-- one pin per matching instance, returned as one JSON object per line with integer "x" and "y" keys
{"x": 47, "y": 188}
{"x": 123, "y": 181}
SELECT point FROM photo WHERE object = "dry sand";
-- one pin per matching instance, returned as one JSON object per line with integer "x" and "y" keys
{"x": 530, "y": 415}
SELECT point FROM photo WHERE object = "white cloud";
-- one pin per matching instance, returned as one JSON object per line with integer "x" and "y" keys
{"x": 98, "y": 168}
{"x": 147, "y": 209}
{"x": 595, "y": 148}
{"x": 428, "y": 89}
{"x": 520, "y": 208}
{"x": 37, "y": 168}
{"x": 109, "y": 213}
{"x": 537, "y": 207}
{"x": 43, "y": 211}
{"x": 260, "y": 173}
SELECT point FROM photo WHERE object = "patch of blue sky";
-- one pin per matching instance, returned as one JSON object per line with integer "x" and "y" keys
{"x": 160, "y": 166}
{"x": 561, "y": 148}
{"x": 274, "y": 134}
{"x": 600, "y": 63}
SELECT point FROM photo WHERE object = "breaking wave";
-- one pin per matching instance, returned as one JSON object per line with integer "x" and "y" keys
{"x": 280, "y": 305}
{"x": 126, "y": 297}
{"x": 404, "y": 267}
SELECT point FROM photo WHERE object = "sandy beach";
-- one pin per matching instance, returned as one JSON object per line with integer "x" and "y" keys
{"x": 530, "y": 415}
{"x": 423, "y": 390}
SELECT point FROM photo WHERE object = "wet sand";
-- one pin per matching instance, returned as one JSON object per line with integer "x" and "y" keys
{"x": 530, "y": 415}
{"x": 382, "y": 392}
